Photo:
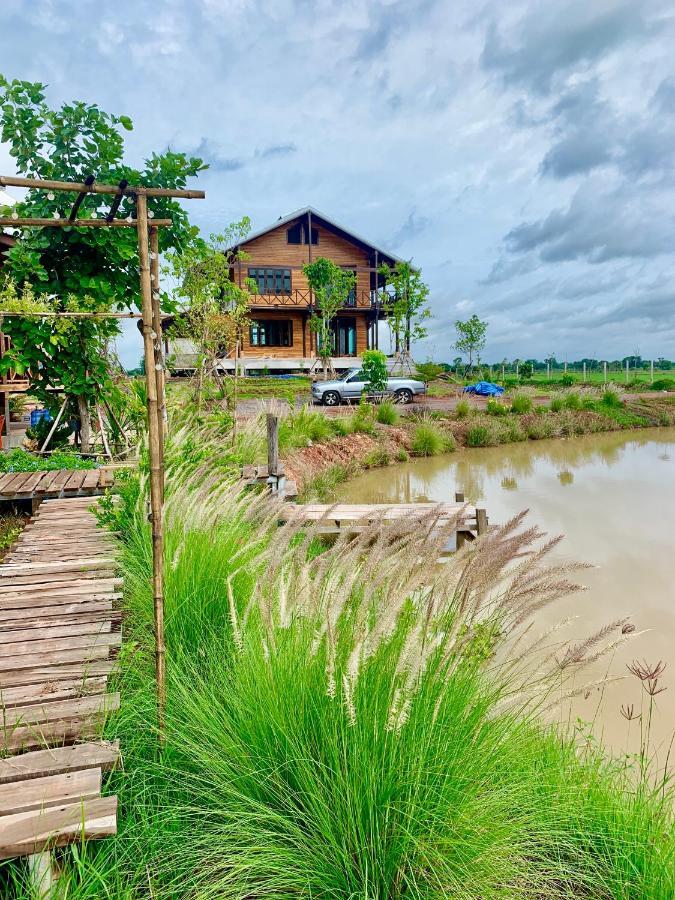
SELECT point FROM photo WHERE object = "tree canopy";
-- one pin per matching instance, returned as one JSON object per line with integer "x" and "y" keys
{"x": 331, "y": 286}
{"x": 78, "y": 269}
{"x": 471, "y": 337}
{"x": 406, "y": 306}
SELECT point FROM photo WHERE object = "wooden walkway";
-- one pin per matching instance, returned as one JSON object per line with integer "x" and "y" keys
{"x": 59, "y": 636}
{"x": 59, "y": 483}
{"x": 331, "y": 519}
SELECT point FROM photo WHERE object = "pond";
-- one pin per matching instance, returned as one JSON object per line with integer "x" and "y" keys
{"x": 613, "y": 497}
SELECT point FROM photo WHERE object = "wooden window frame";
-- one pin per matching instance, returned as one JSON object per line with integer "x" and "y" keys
{"x": 263, "y": 324}
{"x": 270, "y": 290}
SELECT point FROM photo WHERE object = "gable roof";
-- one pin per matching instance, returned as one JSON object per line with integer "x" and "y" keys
{"x": 321, "y": 219}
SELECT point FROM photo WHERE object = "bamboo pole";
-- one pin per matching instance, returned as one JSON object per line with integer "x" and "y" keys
{"x": 54, "y": 426}
{"x": 160, "y": 371}
{"x": 154, "y": 441}
{"x": 81, "y": 188}
{"x": 9, "y": 222}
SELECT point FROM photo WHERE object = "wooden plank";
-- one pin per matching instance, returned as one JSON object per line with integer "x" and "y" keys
{"x": 33, "y": 832}
{"x": 37, "y": 616}
{"x": 75, "y": 481}
{"x": 70, "y": 629}
{"x": 15, "y": 649}
{"x": 49, "y": 790}
{"x": 92, "y": 563}
{"x": 32, "y": 482}
{"x": 40, "y": 763}
{"x": 56, "y": 658}
{"x": 47, "y": 481}
{"x": 91, "y": 480}
{"x": 59, "y": 710}
{"x": 30, "y": 600}
{"x": 57, "y": 585}
{"x": 58, "y": 672}
{"x": 5, "y": 480}
{"x": 14, "y": 479}
{"x": 26, "y": 694}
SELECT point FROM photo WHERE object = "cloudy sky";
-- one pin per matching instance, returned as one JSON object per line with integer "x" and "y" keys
{"x": 521, "y": 153}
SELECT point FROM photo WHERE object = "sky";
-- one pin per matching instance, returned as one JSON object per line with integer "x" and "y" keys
{"x": 522, "y": 154}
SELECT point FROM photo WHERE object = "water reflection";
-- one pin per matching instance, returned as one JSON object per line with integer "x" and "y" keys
{"x": 612, "y": 495}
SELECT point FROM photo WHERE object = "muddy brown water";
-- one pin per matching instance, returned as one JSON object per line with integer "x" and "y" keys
{"x": 613, "y": 497}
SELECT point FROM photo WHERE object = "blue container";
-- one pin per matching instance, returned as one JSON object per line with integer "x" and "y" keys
{"x": 38, "y": 415}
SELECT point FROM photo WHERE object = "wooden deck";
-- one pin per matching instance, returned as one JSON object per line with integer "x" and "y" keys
{"x": 59, "y": 638}
{"x": 331, "y": 519}
{"x": 59, "y": 483}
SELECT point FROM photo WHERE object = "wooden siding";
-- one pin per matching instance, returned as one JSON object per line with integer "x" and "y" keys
{"x": 273, "y": 249}
{"x": 299, "y": 323}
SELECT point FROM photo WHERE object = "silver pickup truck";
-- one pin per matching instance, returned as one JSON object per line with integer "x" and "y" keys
{"x": 352, "y": 385}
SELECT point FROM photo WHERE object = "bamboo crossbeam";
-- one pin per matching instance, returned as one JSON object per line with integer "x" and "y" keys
{"x": 9, "y": 222}
{"x": 78, "y": 315}
{"x": 81, "y": 188}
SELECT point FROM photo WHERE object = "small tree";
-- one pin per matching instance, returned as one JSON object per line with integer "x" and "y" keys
{"x": 374, "y": 369}
{"x": 331, "y": 287}
{"x": 471, "y": 337}
{"x": 217, "y": 307}
{"x": 88, "y": 269}
{"x": 406, "y": 308}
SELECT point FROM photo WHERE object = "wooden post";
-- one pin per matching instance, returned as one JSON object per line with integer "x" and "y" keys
{"x": 160, "y": 372}
{"x": 156, "y": 466}
{"x": 272, "y": 444}
{"x": 41, "y": 875}
{"x": 481, "y": 521}
{"x": 459, "y": 496}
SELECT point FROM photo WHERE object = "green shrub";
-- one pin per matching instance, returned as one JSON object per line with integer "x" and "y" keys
{"x": 401, "y": 455}
{"x": 572, "y": 400}
{"x": 463, "y": 408}
{"x": 663, "y": 384}
{"x": 557, "y": 403}
{"x": 567, "y": 380}
{"x": 521, "y": 404}
{"x": 376, "y": 458}
{"x": 340, "y": 426}
{"x": 362, "y": 420}
{"x": 429, "y": 370}
{"x": 427, "y": 440}
{"x": 496, "y": 408}
{"x": 479, "y": 436}
{"x": 18, "y": 460}
{"x": 374, "y": 369}
{"x": 611, "y": 398}
{"x": 387, "y": 413}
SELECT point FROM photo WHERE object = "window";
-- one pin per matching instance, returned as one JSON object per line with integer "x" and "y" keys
{"x": 272, "y": 333}
{"x": 297, "y": 234}
{"x": 271, "y": 281}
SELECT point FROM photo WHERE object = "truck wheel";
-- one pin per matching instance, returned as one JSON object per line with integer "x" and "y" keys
{"x": 403, "y": 396}
{"x": 331, "y": 398}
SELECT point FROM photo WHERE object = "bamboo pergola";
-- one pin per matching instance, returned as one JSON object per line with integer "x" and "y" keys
{"x": 148, "y": 255}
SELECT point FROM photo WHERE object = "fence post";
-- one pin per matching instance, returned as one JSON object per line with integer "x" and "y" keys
{"x": 651, "y": 369}
{"x": 626, "y": 371}
{"x": 481, "y": 521}
{"x": 272, "y": 444}
{"x": 584, "y": 376}
{"x": 604, "y": 371}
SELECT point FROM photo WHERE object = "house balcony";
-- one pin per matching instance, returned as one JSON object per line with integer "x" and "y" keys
{"x": 302, "y": 299}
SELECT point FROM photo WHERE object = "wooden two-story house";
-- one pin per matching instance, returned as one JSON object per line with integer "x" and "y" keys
{"x": 279, "y": 336}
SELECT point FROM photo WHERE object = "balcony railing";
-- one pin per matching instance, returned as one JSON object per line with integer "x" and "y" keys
{"x": 297, "y": 298}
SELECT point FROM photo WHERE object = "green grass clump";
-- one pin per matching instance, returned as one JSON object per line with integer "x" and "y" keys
{"x": 557, "y": 403}
{"x": 428, "y": 440}
{"x": 521, "y": 404}
{"x": 663, "y": 384}
{"x": 386, "y": 413}
{"x": 362, "y": 420}
{"x": 463, "y": 408}
{"x": 496, "y": 408}
{"x": 376, "y": 458}
{"x": 401, "y": 455}
{"x": 481, "y": 436}
{"x": 572, "y": 400}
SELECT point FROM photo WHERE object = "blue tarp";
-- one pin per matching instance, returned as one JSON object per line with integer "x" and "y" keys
{"x": 484, "y": 389}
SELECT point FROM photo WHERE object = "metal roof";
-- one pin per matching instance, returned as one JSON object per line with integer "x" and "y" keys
{"x": 284, "y": 220}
